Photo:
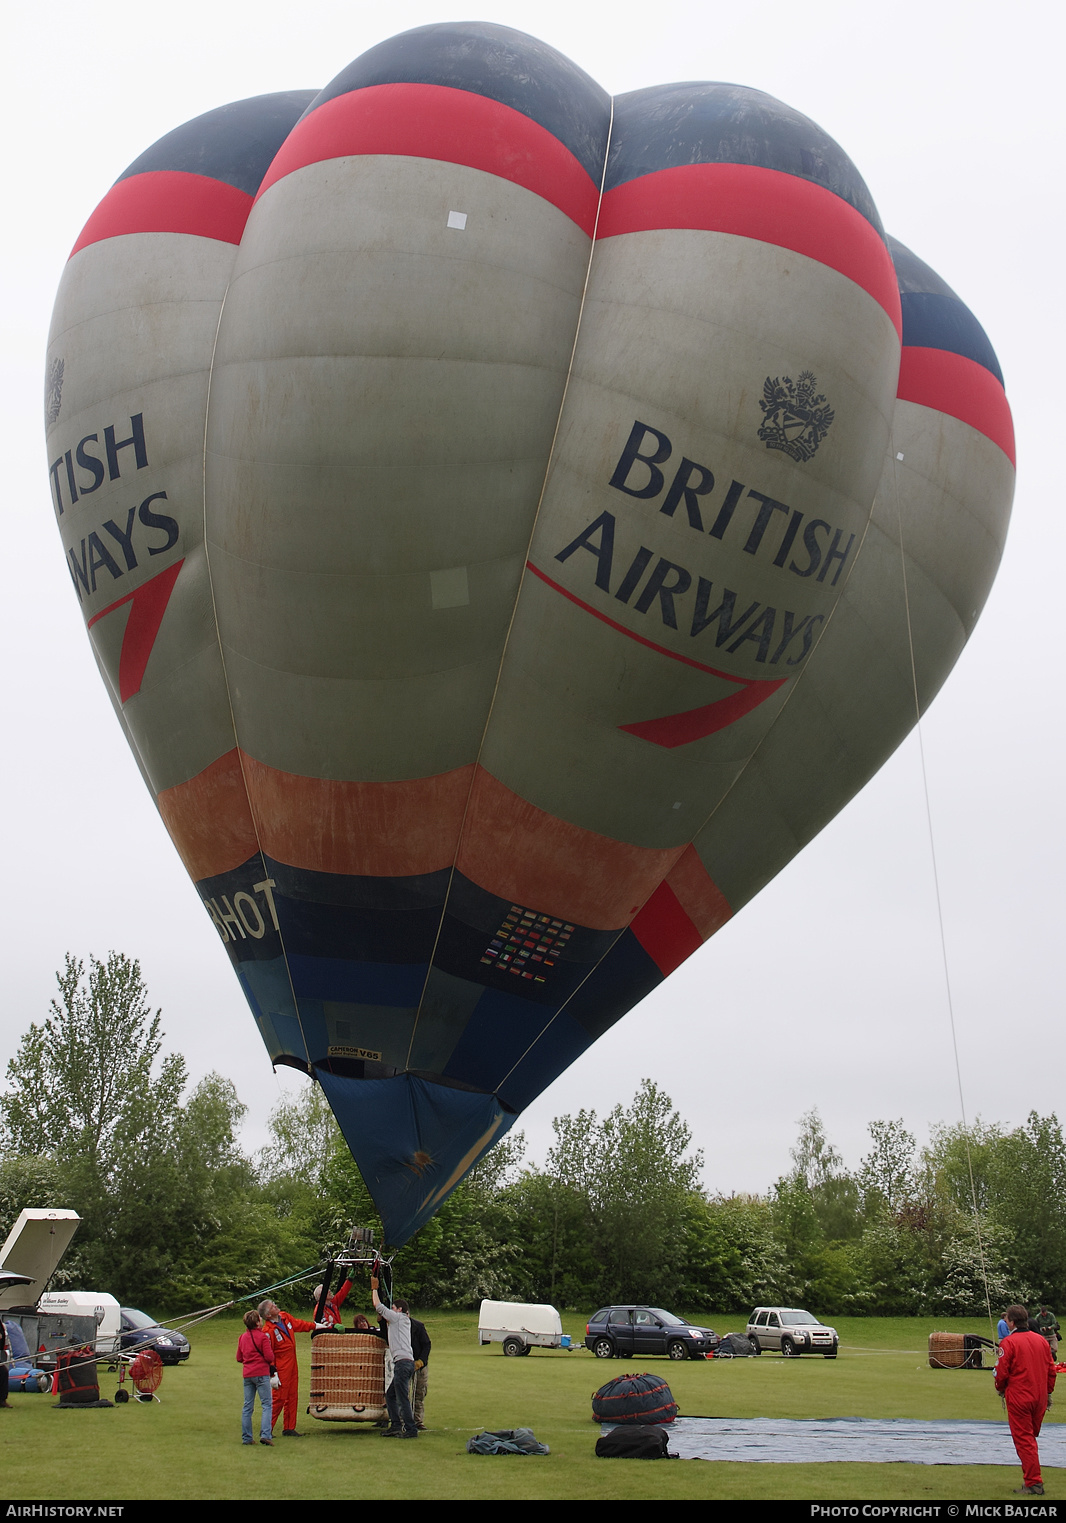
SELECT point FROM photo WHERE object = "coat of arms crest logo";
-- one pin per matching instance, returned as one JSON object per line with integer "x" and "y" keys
{"x": 796, "y": 416}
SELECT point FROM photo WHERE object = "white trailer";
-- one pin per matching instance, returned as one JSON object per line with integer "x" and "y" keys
{"x": 89, "y": 1303}
{"x": 520, "y": 1326}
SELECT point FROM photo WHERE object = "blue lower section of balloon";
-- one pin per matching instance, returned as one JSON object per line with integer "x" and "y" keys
{"x": 515, "y": 1048}
{"x": 377, "y": 983}
{"x": 481, "y": 1004}
{"x": 413, "y": 1141}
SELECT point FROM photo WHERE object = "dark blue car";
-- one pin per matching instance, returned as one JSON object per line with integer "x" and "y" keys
{"x": 139, "y": 1330}
{"x": 618, "y": 1332}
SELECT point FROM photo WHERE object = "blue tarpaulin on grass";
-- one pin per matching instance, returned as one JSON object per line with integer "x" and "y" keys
{"x": 865, "y": 1440}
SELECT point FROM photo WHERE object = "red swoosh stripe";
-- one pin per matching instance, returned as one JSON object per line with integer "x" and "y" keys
{"x": 758, "y": 203}
{"x": 169, "y": 201}
{"x": 696, "y": 724}
{"x": 439, "y": 122}
{"x": 952, "y": 384}
{"x": 148, "y": 604}
{"x": 629, "y": 634}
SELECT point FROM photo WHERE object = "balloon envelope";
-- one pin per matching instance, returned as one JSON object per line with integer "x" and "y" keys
{"x": 502, "y": 517}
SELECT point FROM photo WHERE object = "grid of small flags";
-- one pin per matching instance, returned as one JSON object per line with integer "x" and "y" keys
{"x": 527, "y": 944}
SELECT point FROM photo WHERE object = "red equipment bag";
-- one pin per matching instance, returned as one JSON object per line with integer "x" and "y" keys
{"x": 76, "y": 1377}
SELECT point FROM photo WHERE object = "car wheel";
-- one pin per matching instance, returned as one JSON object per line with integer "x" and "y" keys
{"x": 603, "y": 1348}
{"x": 513, "y": 1347}
{"x": 789, "y": 1349}
{"x": 833, "y": 1354}
{"x": 756, "y": 1347}
{"x": 677, "y": 1349}
{"x": 526, "y": 1347}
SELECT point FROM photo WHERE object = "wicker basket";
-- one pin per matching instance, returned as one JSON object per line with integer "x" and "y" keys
{"x": 347, "y": 1378}
{"x": 957, "y": 1351}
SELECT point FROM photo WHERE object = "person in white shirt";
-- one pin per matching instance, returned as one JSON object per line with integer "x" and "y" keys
{"x": 398, "y": 1397}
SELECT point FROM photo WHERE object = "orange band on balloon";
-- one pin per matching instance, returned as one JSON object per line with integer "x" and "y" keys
{"x": 209, "y": 820}
{"x": 509, "y": 847}
{"x": 517, "y": 851}
{"x": 359, "y": 829}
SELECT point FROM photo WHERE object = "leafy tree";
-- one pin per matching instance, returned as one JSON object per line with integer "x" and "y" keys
{"x": 956, "y": 1165}
{"x": 733, "y": 1259}
{"x": 814, "y": 1158}
{"x": 895, "y": 1268}
{"x": 83, "y": 1080}
{"x": 304, "y": 1135}
{"x": 976, "y": 1276}
{"x": 28, "y": 1181}
{"x": 887, "y": 1173}
{"x": 634, "y": 1173}
{"x": 1027, "y": 1188}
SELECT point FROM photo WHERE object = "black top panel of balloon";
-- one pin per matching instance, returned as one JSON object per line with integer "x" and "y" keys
{"x": 235, "y": 144}
{"x": 668, "y": 126}
{"x": 500, "y": 64}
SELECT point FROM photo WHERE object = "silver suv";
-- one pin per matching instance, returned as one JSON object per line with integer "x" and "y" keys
{"x": 791, "y": 1331}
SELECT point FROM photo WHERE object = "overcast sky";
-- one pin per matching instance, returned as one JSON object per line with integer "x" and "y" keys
{"x": 828, "y": 990}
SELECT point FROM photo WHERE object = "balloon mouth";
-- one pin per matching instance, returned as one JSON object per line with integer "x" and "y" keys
{"x": 413, "y": 1139}
{"x": 363, "y": 1068}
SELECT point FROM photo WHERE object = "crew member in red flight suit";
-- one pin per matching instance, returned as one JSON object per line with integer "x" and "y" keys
{"x": 331, "y": 1315}
{"x": 1025, "y": 1375}
{"x": 283, "y": 1329}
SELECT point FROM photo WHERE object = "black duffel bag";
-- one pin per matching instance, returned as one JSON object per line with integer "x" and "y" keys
{"x": 634, "y": 1441}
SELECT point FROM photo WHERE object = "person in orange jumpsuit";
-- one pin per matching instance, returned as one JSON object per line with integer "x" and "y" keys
{"x": 1025, "y": 1376}
{"x": 283, "y": 1329}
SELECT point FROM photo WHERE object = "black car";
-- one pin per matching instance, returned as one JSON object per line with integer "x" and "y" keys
{"x": 621, "y": 1331}
{"x": 139, "y": 1330}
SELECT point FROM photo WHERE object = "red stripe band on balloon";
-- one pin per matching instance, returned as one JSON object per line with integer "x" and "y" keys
{"x": 438, "y": 122}
{"x": 764, "y": 204}
{"x": 952, "y": 384}
{"x": 169, "y": 201}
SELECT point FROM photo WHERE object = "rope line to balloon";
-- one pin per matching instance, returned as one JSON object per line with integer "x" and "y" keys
{"x": 514, "y": 607}
{"x": 190, "y": 1319}
{"x": 936, "y": 891}
{"x": 225, "y": 678}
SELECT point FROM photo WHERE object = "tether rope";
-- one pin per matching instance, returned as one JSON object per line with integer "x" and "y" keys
{"x": 897, "y": 458}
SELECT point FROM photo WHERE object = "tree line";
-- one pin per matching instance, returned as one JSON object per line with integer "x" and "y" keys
{"x": 96, "y": 1117}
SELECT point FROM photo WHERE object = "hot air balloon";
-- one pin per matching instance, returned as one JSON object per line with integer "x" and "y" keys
{"x": 504, "y": 519}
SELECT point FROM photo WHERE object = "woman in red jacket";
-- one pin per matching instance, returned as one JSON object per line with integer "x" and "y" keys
{"x": 256, "y": 1355}
{"x": 283, "y": 1329}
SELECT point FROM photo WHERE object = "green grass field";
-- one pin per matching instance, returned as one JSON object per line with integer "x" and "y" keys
{"x": 187, "y": 1446}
